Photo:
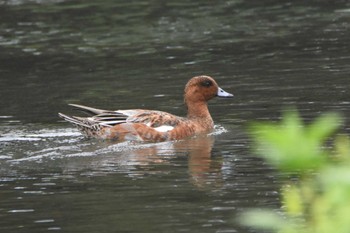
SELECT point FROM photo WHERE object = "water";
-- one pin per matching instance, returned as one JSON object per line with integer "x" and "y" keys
{"x": 119, "y": 54}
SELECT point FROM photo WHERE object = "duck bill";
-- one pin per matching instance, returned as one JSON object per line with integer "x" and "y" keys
{"x": 224, "y": 94}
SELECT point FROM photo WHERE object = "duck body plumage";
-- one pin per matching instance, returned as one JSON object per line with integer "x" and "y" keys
{"x": 153, "y": 125}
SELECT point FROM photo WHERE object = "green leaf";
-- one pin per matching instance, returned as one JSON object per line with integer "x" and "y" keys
{"x": 263, "y": 219}
{"x": 271, "y": 221}
{"x": 290, "y": 145}
{"x": 324, "y": 126}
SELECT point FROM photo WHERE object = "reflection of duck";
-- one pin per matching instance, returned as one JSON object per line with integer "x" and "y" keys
{"x": 155, "y": 126}
{"x": 202, "y": 168}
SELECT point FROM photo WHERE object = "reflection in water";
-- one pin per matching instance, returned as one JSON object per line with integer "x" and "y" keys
{"x": 42, "y": 173}
{"x": 202, "y": 169}
{"x": 106, "y": 156}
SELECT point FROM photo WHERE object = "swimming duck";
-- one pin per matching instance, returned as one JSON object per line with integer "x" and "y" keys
{"x": 153, "y": 125}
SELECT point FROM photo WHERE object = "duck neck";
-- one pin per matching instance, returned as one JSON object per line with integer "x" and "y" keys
{"x": 198, "y": 110}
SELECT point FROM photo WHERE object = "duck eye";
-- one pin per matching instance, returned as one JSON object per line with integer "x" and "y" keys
{"x": 207, "y": 83}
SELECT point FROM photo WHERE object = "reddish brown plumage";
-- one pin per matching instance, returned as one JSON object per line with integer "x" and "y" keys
{"x": 149, "y": 125}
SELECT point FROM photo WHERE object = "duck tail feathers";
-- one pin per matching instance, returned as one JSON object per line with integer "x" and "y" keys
{"x": 80, "y": 122}
{"x": 89, "y": 110}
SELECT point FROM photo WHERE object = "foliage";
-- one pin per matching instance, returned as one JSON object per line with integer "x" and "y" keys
{"x": 319, "y": 200}
{"x": 293, "y": 147}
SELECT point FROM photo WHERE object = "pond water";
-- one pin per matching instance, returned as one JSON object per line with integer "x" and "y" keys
{"x": 123, "y": 54}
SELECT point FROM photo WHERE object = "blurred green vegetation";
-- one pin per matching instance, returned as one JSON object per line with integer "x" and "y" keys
{"x": 317, "y": 199}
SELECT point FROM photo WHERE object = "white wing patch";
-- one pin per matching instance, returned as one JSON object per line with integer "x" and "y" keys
{"x": 164, "y": 128}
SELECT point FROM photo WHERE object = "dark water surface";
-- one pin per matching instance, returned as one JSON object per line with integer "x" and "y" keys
{"x": 140, "y": 54}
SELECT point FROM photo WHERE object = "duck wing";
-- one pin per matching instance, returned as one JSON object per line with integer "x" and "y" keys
{"x": 159, "y": 120}
{"x": 97, "y": 116}
{"x": 154, "y": 119}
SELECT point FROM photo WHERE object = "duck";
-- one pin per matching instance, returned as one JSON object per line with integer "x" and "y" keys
{"x": 153, "y": 125}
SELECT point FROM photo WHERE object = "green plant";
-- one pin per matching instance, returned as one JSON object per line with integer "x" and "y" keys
{"x": 318, "y": 200}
